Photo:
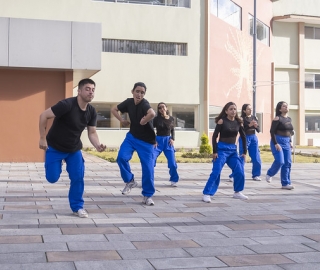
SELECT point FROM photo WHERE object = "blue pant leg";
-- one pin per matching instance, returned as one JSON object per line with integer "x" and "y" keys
{"x": 75, "y": 168}
{"x": 145, "y": 153}
{"x": 240, "y": 153}
{"x": 158, "y": 150}
{"x": 235, "y": 162}
{"x": 214, "y": 178}
{"x": 172, "y": 164}
{"x": 278, "y": 160}
{"x": 53, "y": 164}
{"x": 286, "y": 168}
{"x": 124, "y": 156}
{"x": 254, "y": 153}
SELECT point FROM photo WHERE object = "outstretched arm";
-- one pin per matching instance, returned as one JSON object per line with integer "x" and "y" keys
{"x": 94, "y": 139}
{"x": 47, "y": 114}
{"x": 115, "y": 112}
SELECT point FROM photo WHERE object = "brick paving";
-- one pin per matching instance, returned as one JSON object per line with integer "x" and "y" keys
{"x": 275, "y": 229}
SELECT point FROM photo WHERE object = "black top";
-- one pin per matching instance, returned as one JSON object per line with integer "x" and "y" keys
{"x": 136, "y": 113}
{"x": 164, "y": 127}
{"x": 228, "y": 133}
{"x": 68, "y": 124}
{"x": 250, "y": 130}
{"x": 282, "y": 127}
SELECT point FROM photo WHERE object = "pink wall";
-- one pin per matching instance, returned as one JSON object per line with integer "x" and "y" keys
{"x": 231, "y": 63}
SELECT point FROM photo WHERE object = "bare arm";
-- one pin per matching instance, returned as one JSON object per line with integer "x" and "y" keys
{"x": 94, "y": 139}
{"x": 47, "y": 114}
{"x": 149, "y": 116}
{"x": 116, "y": 114}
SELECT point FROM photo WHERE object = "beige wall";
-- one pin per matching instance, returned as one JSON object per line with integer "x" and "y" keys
{"x": 298, "y": 7}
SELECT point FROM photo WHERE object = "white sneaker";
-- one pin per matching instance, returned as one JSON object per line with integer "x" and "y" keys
{"x": 129, "y": 186}
{"x": 239, "y": 195}
{"x": 206, "y": 198}
{"x": 81, "y": 213}
{"x": 173, "y": 184}
{"x": 289, "y": 187}
{"x": 230, "y": 179}
{"x": 268, "y": 178}
{"x": 257, "y": 178}
{"x": 148, "y": 201}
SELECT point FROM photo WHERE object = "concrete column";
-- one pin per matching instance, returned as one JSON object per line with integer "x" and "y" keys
{"x": 300, "y": 129}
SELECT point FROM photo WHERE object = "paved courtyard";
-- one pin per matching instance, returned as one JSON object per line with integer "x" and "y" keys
{"x": 275, "y": 229}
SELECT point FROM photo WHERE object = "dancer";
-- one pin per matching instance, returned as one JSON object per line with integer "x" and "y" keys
{"x": 229, "y": 124}
{"x": 281, "y": 145}
{"x": 71, "y": 117}
{"x": 251, "y": 126}
{"x": 164, "y": 124}
{"x": 140, "y": 138}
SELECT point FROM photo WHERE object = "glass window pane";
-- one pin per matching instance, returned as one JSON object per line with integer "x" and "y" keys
{"x": 317, "y": 33}
{"x": 214, "y": 7}
{"x": 309, "y": 81}
{"x": 312, "y": 123}
{"x": 103, "y": 114}
{"x": 309, "y": 32}
{"x": 183, "y": 116}
{"x": 317, "y": 81}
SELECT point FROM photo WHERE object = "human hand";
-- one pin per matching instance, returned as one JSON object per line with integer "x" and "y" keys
{"x": 244, "y": 156}
{"x": 101, "y": 147}
{"x": 143, "y": 121}
{"x": 125, "y": 123}
{"x": 43, "y": 144}
{"x": 214, "y": 156}
{"x": 171, "y": 142}
{"x": 278, "y": 147}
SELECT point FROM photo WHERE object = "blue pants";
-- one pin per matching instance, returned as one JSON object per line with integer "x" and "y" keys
{"x": 75, "y": 168}
{"x": 282, "y": 160}
{"x": 168, "y": 150}
{"x": 254, "y": 154}
{"x": 227, "y": 153}
{"x": 145, "y": 153}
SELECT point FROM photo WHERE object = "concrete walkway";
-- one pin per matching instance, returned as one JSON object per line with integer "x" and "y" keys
{"x": 276, "y": 229}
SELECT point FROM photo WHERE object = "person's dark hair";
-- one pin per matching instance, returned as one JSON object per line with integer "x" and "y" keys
{"x": 158, "y": 113}
{"x": 86, "y": 81}
{"x": 223, "y": 113}
{"x": 244, "y": 107}
{"x": 279, "y": 107}
{"x": 139, "y": 84}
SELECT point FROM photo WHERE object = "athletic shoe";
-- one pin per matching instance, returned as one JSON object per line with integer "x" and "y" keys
{"x": 148, "y": 201}
{"x": 268, "y": 178}
{"x": 129, "y": 186}
{"x": 173, "y": 184}
{"x": 257, "y": 178}
{"x": 230, "y": 179}
{"x": 289, "y": 187}
{"x": 81, "y": 213}
{"x": 239, "y": 195}
{"x": 206, "y": 198}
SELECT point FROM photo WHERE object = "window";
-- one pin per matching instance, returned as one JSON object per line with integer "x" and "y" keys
{"x": 312, "y": 123}
{"x": 144, "y": 47}
{"x": 311, "y": 32}
{"x": 103, "y": 114}
{"x": 227, "y": 11}
{"x": 312, "y": 81}
{"x": 263, "y": 31}
{"x": 171, "y": 3}
{"x": 183, "y": 117}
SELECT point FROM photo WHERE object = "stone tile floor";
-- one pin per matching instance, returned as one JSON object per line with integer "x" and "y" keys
{"x": 276, "y": 229}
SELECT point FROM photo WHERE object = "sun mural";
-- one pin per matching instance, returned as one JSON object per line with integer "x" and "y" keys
{"x": 241, "y": 49}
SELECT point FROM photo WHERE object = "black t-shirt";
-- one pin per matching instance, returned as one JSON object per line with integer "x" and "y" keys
{"x": 164, "y": 127}
{"x": 228, "y": 131}
{"x": 136, "y": 113}
{"x": 68, "y": 124}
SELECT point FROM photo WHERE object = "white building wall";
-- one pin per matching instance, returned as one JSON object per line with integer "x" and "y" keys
{"x": 298, "y": 7}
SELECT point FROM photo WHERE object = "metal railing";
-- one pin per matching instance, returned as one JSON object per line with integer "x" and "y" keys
{"x": 171, "y": 3}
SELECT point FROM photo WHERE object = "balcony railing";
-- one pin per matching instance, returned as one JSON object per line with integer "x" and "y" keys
{"x": 171, "y": 3}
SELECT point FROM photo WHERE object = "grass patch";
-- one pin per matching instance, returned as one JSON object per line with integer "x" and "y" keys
{"x": 195, "y": 157}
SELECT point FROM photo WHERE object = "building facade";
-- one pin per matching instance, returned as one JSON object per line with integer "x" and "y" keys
{"x": 194, "y": 55}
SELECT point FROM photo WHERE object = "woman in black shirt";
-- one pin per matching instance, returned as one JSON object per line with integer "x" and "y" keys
{"x": 164, "y": 124}
{"x": 229, "y": 124}
{"x": 281, "y": 132}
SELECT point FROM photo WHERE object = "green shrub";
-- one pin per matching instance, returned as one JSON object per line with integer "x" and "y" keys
{"x": 205, "y": 147}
